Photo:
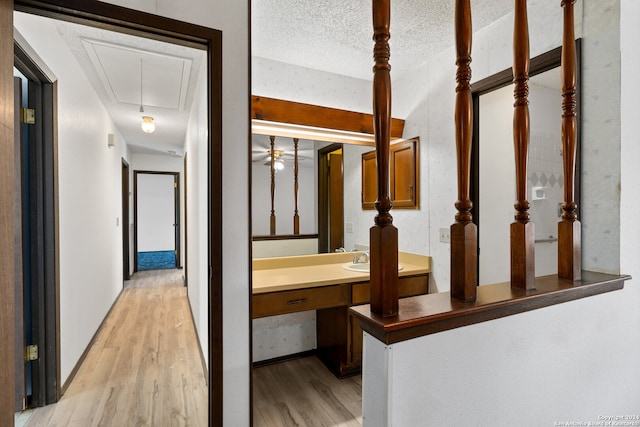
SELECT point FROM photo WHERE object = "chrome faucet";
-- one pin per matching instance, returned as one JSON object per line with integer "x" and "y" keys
{"x": 361, "y": 258}
{"x": 340, "y": 250}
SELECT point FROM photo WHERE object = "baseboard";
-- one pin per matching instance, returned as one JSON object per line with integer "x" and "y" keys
{"x": 203, "y": 361}
{"x": 281, "y": 359}
{"x": 82, "y": 358}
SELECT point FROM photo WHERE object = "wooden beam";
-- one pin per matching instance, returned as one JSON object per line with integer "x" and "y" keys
{"x": 279, "y": 110}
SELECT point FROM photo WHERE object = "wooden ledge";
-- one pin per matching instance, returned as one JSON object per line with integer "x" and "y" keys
{"x": 432, "y": 313}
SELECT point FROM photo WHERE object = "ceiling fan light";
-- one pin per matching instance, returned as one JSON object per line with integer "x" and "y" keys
{"x": 147, "y": 124}
{"x": 278, "y": 165}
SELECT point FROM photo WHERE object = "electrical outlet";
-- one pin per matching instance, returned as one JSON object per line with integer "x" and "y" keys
{"x": 444, "y": 235}
{"x": 348, "y": 227}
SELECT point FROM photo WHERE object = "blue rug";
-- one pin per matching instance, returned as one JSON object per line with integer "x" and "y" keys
{"x": 159, "y": 260}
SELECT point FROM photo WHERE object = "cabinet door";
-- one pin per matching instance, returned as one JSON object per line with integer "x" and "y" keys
{"x": 369, "y": 180}
{"x": 355, "y": 342}
{"x": 404, "y": 174}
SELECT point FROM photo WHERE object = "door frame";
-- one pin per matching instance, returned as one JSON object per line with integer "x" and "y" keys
{"x": 323, "y": 196}
{"x": 117, "y": 18}
{"x": 126, "y": 238}
{"x": 176, "y": 213}
{"x": 539, "y": 64}
{"x": 43, "y": 237}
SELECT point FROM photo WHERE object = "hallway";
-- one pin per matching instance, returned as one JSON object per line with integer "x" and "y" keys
{"x": 144, "y": 367}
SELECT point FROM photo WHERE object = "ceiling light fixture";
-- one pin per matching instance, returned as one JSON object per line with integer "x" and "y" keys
{"x": 278, "y": 163}
{"x": 147, "y": 121}
{"x": 147, "y": 124}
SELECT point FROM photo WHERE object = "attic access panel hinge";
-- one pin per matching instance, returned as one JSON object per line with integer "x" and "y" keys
{"x": 28, "y": 116}
{"x": 31, "y": 353}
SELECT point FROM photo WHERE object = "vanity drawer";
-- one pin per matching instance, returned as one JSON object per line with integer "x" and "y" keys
{"x": 407, "y": 287}
{"x": 274, "y": 303}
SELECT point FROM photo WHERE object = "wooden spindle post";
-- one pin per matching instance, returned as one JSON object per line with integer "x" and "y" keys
{"x": 569, "y": 232}
{"x": 296, "y": 217}
{"x": 522, "y": 230}
{"x": 272, "y": 228}
{"x": 383, "y": 235}
{"x": 464, "y": 235}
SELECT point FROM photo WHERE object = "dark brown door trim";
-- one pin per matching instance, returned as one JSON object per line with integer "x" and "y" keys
{"x": 126, "y": 256}
{"x": 176, "y": 204}
{"x": 323, "y": 196}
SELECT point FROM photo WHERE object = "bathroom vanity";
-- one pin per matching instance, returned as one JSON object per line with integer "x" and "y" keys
{"x": 324, "y": 283}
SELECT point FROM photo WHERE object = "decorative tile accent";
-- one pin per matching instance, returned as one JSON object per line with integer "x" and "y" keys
{"x": 534, "y": 179}
{"x": 552, "y": 181}
{"x": 543, "y": 179}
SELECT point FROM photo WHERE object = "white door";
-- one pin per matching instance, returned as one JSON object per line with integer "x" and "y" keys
{"x": 156, "y": 212}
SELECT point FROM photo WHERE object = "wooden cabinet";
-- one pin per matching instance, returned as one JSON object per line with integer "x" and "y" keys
{"x": 274, "y": 303}
{"x": 339, "y": 334}
{"x": 404, "y": 177}
{"x": 369, "y": 180}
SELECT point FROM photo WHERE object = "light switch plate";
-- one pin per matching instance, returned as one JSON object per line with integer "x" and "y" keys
{"x": 444, "y": 235}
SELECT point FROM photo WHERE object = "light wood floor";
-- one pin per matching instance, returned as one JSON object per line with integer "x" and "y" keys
{"x": 302, "y": 392}
{"x": 144, "y": 368}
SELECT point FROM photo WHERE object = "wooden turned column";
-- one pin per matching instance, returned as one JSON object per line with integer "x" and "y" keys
{"x": 522, "y": 230}
{"x": 272, "y": 219}
{"x": 464, "y": 235}
{"x": 383, "y": 235}
{"x": 569, "y": 236}
{"x": 296, "y": 217}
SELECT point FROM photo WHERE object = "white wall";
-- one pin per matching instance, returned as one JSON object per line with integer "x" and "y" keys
{"x": 196, "y": 153}
{"x": 156, "y": 212}
{"x": 89, "y": 175}
{"x": 571, "y": 362}
{"x": 294, "y": 83}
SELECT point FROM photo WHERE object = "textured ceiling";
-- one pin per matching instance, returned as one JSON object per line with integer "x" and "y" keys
{"x": 335, "y": 35}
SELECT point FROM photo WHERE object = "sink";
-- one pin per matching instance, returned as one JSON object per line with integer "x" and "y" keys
{"x": 361, "y": 267}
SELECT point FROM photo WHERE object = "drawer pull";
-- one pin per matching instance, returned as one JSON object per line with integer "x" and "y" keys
{"x": 298, "y": 301}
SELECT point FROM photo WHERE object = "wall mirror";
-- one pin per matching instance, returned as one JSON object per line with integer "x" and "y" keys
{"x": 315, "y": 192}
{"x": 326, "y": 183}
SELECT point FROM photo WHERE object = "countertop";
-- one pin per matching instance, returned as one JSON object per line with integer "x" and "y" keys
{"x": 308, "y": 271}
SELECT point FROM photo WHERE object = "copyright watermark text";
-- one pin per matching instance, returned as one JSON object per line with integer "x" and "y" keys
{"x": 605, "y": 421}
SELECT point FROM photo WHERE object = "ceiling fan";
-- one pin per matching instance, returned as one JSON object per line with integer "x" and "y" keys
{"x": 280, "y": 156}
